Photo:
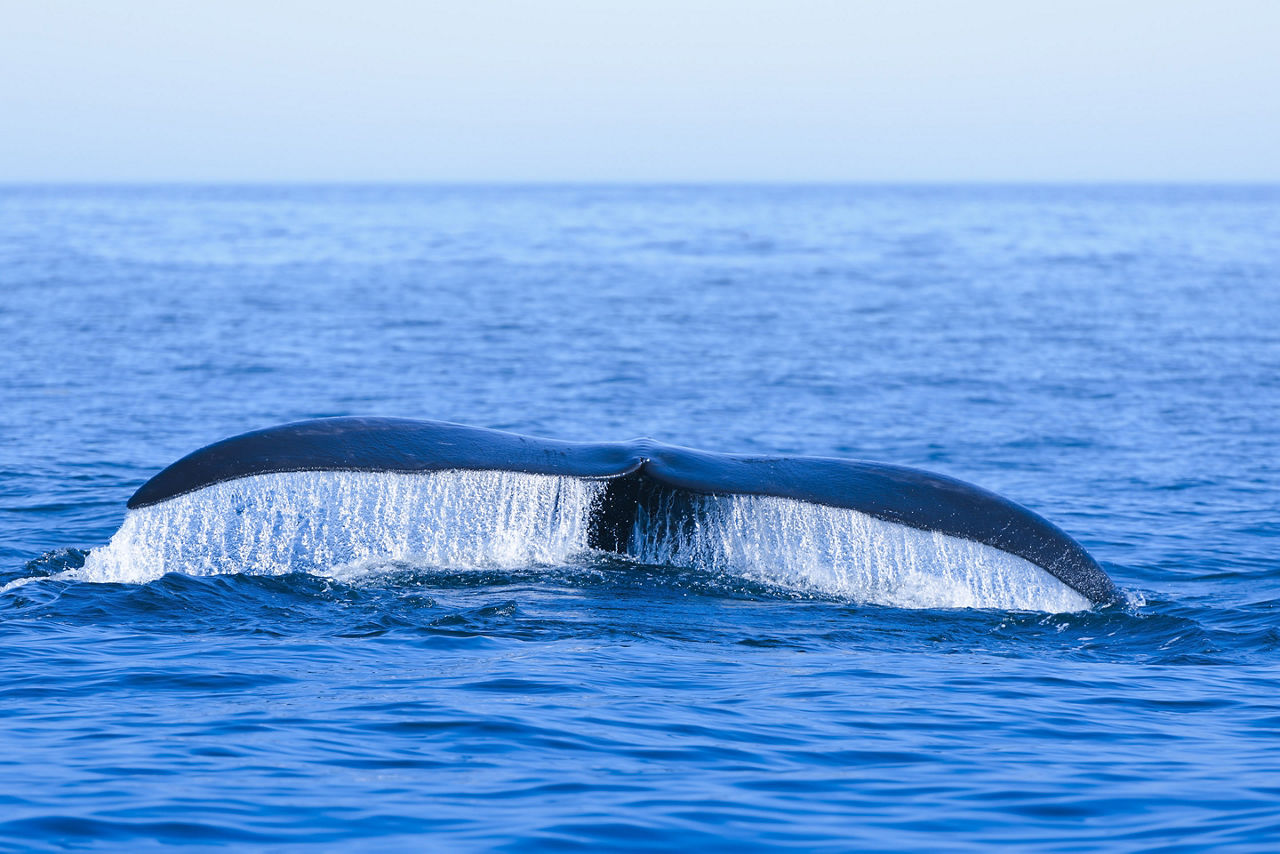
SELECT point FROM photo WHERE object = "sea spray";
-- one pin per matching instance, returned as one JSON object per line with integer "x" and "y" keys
{"x": 314, "y": 521}
{"x": 843, "y": 553}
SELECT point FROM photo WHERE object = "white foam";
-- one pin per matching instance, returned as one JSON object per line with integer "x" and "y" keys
{"x": 335, "y": 523}
{"x": 844, "y": 553}
{"x": 321, "y": 521}
{"x": 66, "y": 574}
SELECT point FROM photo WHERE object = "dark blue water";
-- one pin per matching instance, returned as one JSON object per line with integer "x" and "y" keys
{"x": 1109, "y": 357}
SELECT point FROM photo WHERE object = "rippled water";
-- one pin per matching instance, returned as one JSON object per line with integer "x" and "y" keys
{"x": 1106, "y": 356}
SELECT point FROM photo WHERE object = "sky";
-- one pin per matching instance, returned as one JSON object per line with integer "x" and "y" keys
{"x": 695, "y": 90}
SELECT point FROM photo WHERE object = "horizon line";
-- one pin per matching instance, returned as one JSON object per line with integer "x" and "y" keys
{"x": 640, "y": 182}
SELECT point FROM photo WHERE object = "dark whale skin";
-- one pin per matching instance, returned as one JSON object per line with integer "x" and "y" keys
{"x": 907, "y": 496}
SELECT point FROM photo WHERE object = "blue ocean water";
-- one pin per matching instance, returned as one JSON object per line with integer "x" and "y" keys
{"x": 1108, "y": 356}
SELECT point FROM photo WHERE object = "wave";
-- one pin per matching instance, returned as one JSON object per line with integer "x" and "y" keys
{"x": 327, "y": 522}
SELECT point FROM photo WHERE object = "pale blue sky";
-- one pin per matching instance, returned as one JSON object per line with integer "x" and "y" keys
{"x": 700, "y": 90}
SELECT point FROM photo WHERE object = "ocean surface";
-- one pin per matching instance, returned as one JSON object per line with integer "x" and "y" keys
{"x": 1107, "y": 356}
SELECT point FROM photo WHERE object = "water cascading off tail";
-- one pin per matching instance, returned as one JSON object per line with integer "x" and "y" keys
{"x": 315, "y": 495}
{"x": 316, "y": 521}
{"x": 323, "y": 521}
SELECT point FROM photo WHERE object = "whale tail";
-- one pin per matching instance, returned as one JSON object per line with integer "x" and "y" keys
{"x": 667, "y": 504}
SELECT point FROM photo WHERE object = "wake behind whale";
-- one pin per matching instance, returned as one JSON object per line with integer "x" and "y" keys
{"x": 318, "y": 495}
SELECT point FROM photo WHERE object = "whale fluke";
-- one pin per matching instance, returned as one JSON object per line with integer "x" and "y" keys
{"x": 642, "y": 480}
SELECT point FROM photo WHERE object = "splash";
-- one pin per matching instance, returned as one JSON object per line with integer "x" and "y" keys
{"x": 842, "y": 553}
{"x": 317, "y": 521}
{"x": 333, "y": 523}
